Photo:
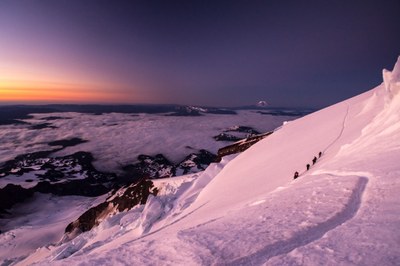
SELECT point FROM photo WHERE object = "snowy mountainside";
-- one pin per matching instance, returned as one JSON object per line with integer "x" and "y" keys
{"x": 248, "y": 210}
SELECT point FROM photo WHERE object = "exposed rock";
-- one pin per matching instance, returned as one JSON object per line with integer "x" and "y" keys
{"x": 241, "y": 145}
{"x": 195, "y": 162}
{"x": 88, "y": 219}
{"x": 24, "y": 163}
{"x": 243, "y": 129}
{"x": 152, "y": 167}
{"x": 76, "y": 166}
{"x": 226, "y": 137}
{"x": 160, "y": 167}
{"x": 198, "y": 111}
{"x": 122, "y": 200}
{"x": 69, "y": 175}
{"x": 185, "y": 111}
{"x": 236, "y": 133}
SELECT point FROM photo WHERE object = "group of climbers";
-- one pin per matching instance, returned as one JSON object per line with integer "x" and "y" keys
{"x": 314, "y": 160}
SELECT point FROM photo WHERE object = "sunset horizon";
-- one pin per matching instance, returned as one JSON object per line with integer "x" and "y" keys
{"x": 195, "y": 53}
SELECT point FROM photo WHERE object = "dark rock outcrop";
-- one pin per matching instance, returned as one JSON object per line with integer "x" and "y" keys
{"x": 236, "y": 133}
{"x": 160, "y": 167}
{"x": 185, "y": 111}
{"x": 243, "y": 129}
{"x": 151, "y": 167}
{"x": 241, "y": 145}
{"x": 68, "y": 175}
{"x": 195, "y": 162}
{"x": 122, "y": 200}
{"x": 226, "y": 137}
{"x": 198, "y": 111}
{"x": 75, "y": 166}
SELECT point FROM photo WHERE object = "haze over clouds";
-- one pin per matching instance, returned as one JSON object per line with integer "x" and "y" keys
{"x": 194, "y": 52}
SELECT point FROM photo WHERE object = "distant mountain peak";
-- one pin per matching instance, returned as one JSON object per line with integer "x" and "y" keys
{"x": 262, "y": 103}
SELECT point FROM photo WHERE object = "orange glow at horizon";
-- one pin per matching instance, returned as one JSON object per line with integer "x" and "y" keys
{"x": 37, "y": 91}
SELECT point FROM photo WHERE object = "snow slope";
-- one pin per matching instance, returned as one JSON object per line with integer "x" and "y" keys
{"x": 248, "y": 210}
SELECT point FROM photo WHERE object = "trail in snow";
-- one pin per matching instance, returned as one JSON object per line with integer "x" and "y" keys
{"x": 312, "y": 234}
{"x": 341, "y": 131}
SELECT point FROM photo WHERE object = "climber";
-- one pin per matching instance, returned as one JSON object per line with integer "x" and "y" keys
{"x": 314, "y": 160}
{"x": 319, "y": 154}
{"x": 296, "y": 175}
{"x": 308, "y": 166}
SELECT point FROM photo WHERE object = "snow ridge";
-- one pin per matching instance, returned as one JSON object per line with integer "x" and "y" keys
{"x": 391, "y": 79}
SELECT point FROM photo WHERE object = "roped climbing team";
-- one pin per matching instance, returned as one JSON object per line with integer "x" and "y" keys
{"x": 314, "y": 160}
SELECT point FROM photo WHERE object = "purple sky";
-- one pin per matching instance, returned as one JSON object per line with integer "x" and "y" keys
{"x": 217, "y": 53}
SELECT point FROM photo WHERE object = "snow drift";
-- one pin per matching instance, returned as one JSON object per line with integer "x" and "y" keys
{"x": 248, "y": 210}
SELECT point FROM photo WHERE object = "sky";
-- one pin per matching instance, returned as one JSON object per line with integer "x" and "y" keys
{"x": 209, "y": 53}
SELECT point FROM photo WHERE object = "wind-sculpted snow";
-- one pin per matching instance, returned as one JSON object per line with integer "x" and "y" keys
{"x": 129, "y": 197}
{"x": 391, "y": 79}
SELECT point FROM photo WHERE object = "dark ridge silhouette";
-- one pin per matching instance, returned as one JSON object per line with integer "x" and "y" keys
{"x": 67, "y": 142}
{"x": 42, "y": 126}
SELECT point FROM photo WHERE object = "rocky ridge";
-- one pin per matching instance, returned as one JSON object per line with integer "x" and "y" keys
{"x": 123, "y": 199}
